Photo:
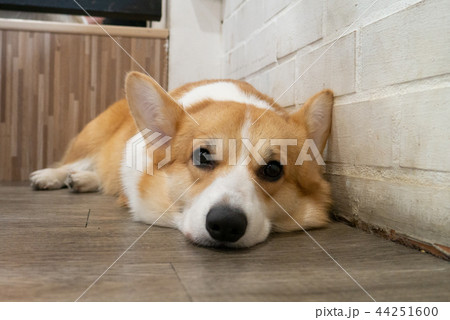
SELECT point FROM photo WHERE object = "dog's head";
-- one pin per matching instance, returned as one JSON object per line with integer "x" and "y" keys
{"x": 241, "y": 171}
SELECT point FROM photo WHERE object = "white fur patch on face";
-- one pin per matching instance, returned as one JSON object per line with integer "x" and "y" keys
{"x": 221, "y": 91}
{"x": 237, "y": 190}
{"x": 147, "y": 210}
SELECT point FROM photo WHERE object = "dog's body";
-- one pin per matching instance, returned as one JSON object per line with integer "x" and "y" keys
{"x": 234, "y": 201}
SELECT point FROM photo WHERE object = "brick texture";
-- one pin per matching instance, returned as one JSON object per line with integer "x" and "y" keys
{"x": 409, "y": 45}
{"x": 330, "y": 66}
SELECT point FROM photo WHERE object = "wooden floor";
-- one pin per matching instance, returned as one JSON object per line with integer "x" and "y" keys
{"x": 47, "y": 254}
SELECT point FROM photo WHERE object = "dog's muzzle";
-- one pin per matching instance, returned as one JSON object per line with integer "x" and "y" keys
{"x": 226, "y": 224}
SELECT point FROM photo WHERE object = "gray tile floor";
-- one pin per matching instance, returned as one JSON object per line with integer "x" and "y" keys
{"x": 47, "y": 254}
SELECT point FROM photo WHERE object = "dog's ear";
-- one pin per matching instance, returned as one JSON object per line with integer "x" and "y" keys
{"x": 315, "y": 115}
{"x": 150, "y": 105}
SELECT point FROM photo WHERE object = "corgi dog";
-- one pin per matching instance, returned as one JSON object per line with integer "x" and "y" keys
{"x": 233, "y": 198}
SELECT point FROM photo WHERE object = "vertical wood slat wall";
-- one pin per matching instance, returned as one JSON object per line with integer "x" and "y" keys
{"x": 52, "y": 84}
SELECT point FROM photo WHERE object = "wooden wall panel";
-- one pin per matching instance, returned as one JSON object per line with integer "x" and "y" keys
{"x": 52, "y": 84}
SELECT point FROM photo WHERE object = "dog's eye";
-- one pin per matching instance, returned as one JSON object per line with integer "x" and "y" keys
{"x": 202, "y": 159}
{"x": 272, "y": 171}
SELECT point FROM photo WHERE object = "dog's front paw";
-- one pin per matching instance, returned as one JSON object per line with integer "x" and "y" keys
{"x": 47, "y": 179}
{"x": 82, "y": 181}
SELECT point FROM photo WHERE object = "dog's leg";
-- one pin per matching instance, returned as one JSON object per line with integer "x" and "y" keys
{"x": 83, "y": 181}
{"x": 48, "y": 179}
{"x": 84, "y": 153}
{"x": 55, "y": 178}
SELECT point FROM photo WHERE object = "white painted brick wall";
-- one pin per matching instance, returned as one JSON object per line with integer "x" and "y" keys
{"x": 195, "y": 42}
{"x": 299, "y": 26}
{"x": 235, "y": 62}
{"x": 260, "y": 51}
{"x": 271, "y": 8}
{"x": 329, "y": 66}
{"x": 415, "y": 210}
{"x": 388, "y": 63}
{"x": 230, "y": 6}
{"x": 409, "y": 45}
{"x": 276, "y": 81}
{"x": 341, "y": 14}
{"x": 362, "y": 133}
{"x": 248, "y": 19}
{"x": 424, "y": 130}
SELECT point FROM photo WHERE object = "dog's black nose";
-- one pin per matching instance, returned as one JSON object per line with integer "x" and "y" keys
{"x": 226, "y": 224}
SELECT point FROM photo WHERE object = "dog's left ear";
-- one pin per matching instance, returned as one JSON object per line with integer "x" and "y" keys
{"x": 150, "y": 105}
{"x": 315, "y": 115}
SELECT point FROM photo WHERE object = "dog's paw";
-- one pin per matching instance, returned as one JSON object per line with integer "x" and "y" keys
{"x": 82, "y": 181}
{"x": 47, "y": 179}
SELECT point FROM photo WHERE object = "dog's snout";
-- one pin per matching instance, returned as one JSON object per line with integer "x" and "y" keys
{"x": 226, "y": 224}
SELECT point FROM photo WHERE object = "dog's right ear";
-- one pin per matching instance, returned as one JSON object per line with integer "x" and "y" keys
{"x": 150, "y": 105}
{"x": 316, "y": 116}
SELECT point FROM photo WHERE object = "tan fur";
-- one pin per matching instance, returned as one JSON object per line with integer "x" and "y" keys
{"x": 302, "y": 191}
{"x": 302, "y": 186}
{"x": 104, "y": 139}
